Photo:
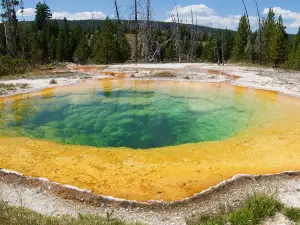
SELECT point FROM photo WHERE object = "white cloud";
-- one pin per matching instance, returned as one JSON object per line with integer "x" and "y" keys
{"x": 287, "y": 15}
{"x": 30, "y": 12}
{"x": 27, "y": 12}
{"x": 79, "y": 15}
{"x": 206, "y": 16}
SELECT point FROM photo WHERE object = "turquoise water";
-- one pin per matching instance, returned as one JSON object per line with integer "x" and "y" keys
{"x": 143, "y": 117}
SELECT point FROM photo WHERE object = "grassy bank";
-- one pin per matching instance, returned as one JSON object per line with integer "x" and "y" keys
{"x": 19, "y": 215}
{"x": 11, "y": 68}
{"x": 254, "y": 212}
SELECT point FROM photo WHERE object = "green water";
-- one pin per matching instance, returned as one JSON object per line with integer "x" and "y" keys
{"x": 139, "y": 118}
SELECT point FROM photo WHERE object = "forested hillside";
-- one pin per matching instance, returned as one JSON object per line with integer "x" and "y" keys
{"x": 88, "y": 25}
{"x": 28, "y": 44}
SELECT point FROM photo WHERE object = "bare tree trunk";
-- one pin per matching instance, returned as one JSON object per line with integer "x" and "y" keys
{"x": 222, "y": 40}
{"x": 222, "y": 49}
{"x": 177, "y": 37}
{"x": 117, "y": 11}
{"x": 93, "y": 21}
{"x": 259, "y": 33}
{"x": 148, "y": 11}
{"x": 249, "y": 47}
{"x": 193, "y": 32}
{"x": 192, "y": 14}
{"x": 217, "y": 52}
{"x": 146, "y": 34}
{"x": 136, "y": 32}
{"x": 247, "y": 15}
{"x": 22, "y": 8}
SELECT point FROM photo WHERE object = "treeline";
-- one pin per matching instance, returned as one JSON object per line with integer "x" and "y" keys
{"x": 43, "y": 41}
{"x": 269, "y": 45}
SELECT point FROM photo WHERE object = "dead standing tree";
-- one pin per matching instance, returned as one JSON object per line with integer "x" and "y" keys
{"x": 136, "y": 44}
{"x": 120, "y": 27}
{"x": 221, "y": 43}
{"x": 117, "y": 11}
{"x": 22, "y": 8}
{"x": 146, "y": 34}
{"x": 176, "y": 34}
{"x": 193, "y": 37}
{"x": 151, "y": 47}
{"x": 249, "y": 47}
{"x": 93, "y": 20}
{"x": 259, "y": 34}
{"x": 134, "y": 15}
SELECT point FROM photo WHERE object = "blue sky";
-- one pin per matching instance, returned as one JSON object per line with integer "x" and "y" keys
{"x": 218, "y": 13}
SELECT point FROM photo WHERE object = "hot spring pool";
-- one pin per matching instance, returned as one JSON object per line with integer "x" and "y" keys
{"x": 147, "y": 139}
{"x": 133, "y": 114}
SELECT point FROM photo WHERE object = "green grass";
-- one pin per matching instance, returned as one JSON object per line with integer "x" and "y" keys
{"x": 256, "y": 210}
{"x": 21, "y": 216}
{"x": 292, "y": 213}
{"x": 214, "y": 220}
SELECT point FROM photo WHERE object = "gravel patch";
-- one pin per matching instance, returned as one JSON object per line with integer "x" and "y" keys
{"x": 278, "y": 219}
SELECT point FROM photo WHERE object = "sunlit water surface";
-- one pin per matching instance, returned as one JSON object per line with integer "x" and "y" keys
{"x": 131, "y": 114}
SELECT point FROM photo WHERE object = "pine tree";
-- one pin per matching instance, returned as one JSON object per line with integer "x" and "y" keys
{"x": 291, "y": 61}
{"x": 269, "y": 30}
{"x": 2, "y": 40}
{"x": 60, "y": 47}
{"x": 296, "y": 60}
{"x": 168, "y": 52}
{"x": 52, "y": 48}
{"x": 42, "y": 15}
{"x": 198, "y": 50}
{"x": 43, "y": 28}
{"x": 123, "y": 48}
{"x": 66, "y": 46}
{"x": 228, "y": 44}
{"x": 26, "y": 39}
{"x": 75, "y": 38}
{"x": 209, "y": 53}
{"x": 55, "y": 29}
{"x": 105, "y": 44}
{"x": 45, "y": 40}
{"x": 36, "y": 54}
{"x": 63, "y": 52}
{"x": 241, "y": 39}
{"x": 82, "y": 51}
{"x": 278, "y": 46}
